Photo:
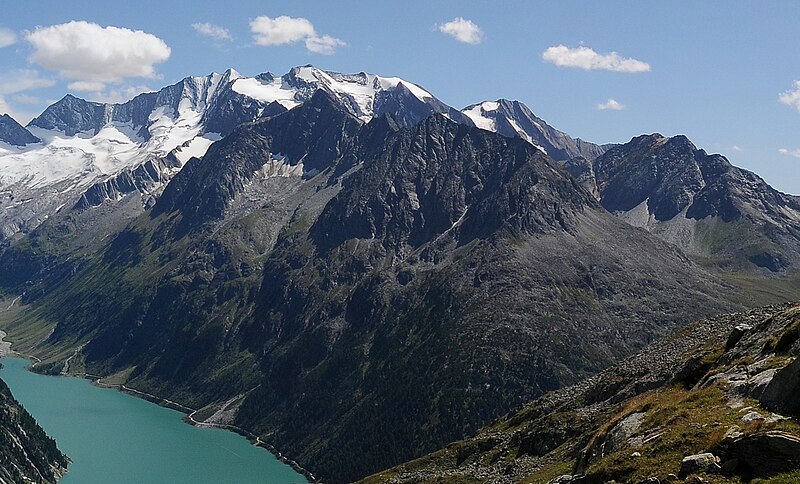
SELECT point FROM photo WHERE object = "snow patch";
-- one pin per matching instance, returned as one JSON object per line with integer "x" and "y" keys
{"x": 267, "y": 92}
{"x": 485, "y": 116}
{"x": 478, "y": 116}
{"x": 278, "y": 166}
{"x": 196, "y": 147}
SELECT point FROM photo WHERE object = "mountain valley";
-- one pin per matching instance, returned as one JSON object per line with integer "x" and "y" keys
{"x": 360, "y": 274}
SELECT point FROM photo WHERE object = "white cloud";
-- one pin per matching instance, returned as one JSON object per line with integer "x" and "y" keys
{"x": 7, "y": 37}
{"x": 284, "y": 30}
{"x": 280, "y": 30}
{"x": 611, "y": 105}
{"x": 585, "y": 58}
{"x": 85, "y": 51}
{"x": 785, "y": 152}
{"x": 325, "y": 45}
{"x": 791, "y": 97}
{"x": 737, "y": 148}
{"x": 462, "y": 30}
{"x": 19, "y": 80}
{"x": 213, "y": 31}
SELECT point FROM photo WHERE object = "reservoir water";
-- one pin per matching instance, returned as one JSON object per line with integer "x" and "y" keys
{"x": 114, "y": 437}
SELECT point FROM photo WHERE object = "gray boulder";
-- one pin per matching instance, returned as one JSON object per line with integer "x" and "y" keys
{"x": 758, "y": 383}
{"x": 780, "y": 395}
{"x": 705, "y": 462}
{"x": 763, "y": 454}
{"x": 736, "y": 335}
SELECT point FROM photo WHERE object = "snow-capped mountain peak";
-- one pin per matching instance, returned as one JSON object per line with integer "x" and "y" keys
{"x": 362, "y": 94}
{"x": 77, "y": 144}
{"x": 514, "y": 119}
{"x": 479, "y": 114}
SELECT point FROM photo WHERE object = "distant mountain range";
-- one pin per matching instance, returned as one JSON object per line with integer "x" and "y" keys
{"x": 354, "y": 270}
{"x": 727, "y": 216}
{"x": 140, "y": 144}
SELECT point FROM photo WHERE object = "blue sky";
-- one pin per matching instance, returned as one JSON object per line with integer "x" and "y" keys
{"x": 715, "y": 70}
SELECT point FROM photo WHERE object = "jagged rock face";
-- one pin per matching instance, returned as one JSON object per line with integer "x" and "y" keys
{"x": 688, "y": 197}
{"x": 655, "y": 173}
{"x": 71, "y": 115}
{"x": 149, "y": 179}
{"x": 406, "y": 109}
{"x": 310, "y": 137}
{"x": 425, "y": 182}
{"x": 441, "y": 249}
{"x": 27, "y": 454}
{"x": 672, "y": 175}
{"x": 13, "y": 133}
{"x": 230, "y": 109}
{"x": 514, "y": 119}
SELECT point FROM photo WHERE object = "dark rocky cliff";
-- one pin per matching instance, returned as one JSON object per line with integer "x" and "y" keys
{"x": 700, "y": 202}
{"x": 27, "y": 454}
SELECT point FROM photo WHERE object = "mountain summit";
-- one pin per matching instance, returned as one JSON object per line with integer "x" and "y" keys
{"x": 12, "y": 133}
{"x": 514, "y": 119}
{"x": 698, "y": 201}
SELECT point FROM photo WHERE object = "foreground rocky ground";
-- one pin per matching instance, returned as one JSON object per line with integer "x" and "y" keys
{"x": 716, "y": 401}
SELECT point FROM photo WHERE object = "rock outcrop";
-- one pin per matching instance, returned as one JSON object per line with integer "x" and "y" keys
{"x": 781, "y": 392}
{"x": 693, "y": 464}
{"x": 762, "y": 454}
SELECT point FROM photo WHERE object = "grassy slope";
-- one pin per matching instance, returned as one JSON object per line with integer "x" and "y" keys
{"x": 685, "y": 418}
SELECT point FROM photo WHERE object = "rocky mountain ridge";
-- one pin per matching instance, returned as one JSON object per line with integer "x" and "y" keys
{"x": 12, "y": 133}
{"x": 88, "y": 146}
{"x": 698, "y": 202}
{"x": 514, "y": 119}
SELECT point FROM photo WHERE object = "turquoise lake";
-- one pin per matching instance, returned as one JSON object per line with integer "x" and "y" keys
{"x": 112, "y": 437}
